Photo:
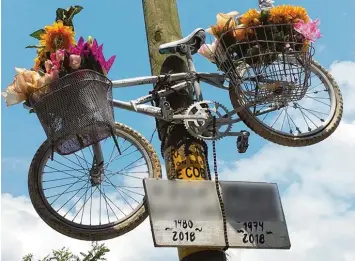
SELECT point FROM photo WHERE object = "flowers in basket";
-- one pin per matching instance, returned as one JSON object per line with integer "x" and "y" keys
{"x": 58, "y": 54}
{"x": 258, "y": 36}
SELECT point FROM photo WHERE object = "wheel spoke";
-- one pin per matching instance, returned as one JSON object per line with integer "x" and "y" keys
{"x": 277, "y": 118}
{"x": 66, "y": 190}
{"x": 66, "y": 166}
{"x": 83, "y": 204}
{"x": 125, "y": 193}
{"x": 79, "y": 203}
{"x": 113, "y": 203}
{"x": 64, "y": 172}
{"x": 317, "y": 100}
{"x": 82, "y": 213}
{"x": 118, "y": 155}
{"x": 71, "y": 199}
{"x": 108, "y": 216}
{"x": 119, "y": 192}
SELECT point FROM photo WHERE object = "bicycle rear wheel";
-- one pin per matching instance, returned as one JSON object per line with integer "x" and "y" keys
{"x": 75, "y": 206}
{"x": 310, "y": 125}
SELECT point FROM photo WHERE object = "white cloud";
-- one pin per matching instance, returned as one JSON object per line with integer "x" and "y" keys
{"x": 318, "y": 196}
{"x": 318, "y": 199}
{"x": 343, "y": 72}
{"x": 21, "y": 227}
{"x": 318, "y": 182}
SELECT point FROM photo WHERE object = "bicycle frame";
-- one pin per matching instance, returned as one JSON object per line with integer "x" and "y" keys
{"x": 186, "y": 80}
{"x": 164, "y": 112}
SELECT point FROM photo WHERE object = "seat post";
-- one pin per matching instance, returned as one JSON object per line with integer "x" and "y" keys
{"x": 192, "y": 68}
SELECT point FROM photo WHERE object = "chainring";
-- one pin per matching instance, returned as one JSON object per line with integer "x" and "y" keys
{"x": 203, "y": 129}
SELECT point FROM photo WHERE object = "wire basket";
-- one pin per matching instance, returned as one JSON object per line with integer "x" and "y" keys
{"x": 271, "y": 64}
{"x": 76, "y": 110}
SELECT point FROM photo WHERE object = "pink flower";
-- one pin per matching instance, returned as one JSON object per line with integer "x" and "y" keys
{"x": 54, "y": 73}
{"x": 74, "y": 61}
{"x": 309, "y": 30}
{"x": 48, "y": 64}
{"x": 208, "y": 50}
{"x": 48, "y": 77}
{"x": 54, "y": 60}
{"x": 60, "y": 55}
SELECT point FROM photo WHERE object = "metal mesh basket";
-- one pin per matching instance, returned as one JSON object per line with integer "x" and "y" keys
{"x": 75, "y": 111}
{"x": 272, "y": 63}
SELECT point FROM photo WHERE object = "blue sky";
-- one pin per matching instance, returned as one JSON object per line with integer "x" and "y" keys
{"x": 120, "y": 26}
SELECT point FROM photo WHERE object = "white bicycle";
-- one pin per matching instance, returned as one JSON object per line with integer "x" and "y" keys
{"x": 272, "y": 100}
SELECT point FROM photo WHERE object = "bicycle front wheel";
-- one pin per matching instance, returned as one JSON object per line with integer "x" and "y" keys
{"x": 65, "y": 197}
{"x": 301, "y": 123}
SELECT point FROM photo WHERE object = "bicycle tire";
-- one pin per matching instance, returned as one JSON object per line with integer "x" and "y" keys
{"x": 54, "y": 220}
{"x": 267, "y": 133}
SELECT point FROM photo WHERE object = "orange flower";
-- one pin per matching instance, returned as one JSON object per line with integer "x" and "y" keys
{"x": 224, "y": 23}
{"x": 288, "y": 14}
{"x": 57, "y": 36}
{"x": 251, "y": 18}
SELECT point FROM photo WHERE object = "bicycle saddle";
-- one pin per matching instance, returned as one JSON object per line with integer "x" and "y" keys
{"x": 194, "y": 40}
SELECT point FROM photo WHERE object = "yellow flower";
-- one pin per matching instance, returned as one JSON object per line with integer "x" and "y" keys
{"x": 57, "y": 36}
{"x": 224, "y": 23}
{"x": 251, "y": 18}
{"x": 37, "y": 63}
{"x": 288, "y": 14}
{"x": 41, "y": 57}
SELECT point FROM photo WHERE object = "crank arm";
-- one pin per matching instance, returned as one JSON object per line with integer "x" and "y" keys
{"x": 236, "y": 133}
{"x": 189, "y": 117}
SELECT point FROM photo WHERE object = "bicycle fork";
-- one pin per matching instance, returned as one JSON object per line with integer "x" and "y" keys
{"x": 97, "y": 171}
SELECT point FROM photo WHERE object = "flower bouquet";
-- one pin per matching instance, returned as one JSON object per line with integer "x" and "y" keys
{"x": 257, "y": 38}
{"x": 67, "y": 87}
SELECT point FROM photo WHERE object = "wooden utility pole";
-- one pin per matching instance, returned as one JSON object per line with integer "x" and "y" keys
{"x": 185, "y": 156}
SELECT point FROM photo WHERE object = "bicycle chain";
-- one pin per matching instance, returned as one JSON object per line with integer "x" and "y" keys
{"x": 221, "y": 203}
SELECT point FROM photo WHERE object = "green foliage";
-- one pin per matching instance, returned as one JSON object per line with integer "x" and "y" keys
{"x": 37, "y": 34}
{"x": 34, "y": 46}
{"x": 97, "y": 253}
{"x": 67, "y": 15}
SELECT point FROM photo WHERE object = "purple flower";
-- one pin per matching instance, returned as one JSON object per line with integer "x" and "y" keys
{"x": 99, "y": 56}
{"x": 84, "y": 48}
{"x": 81, "y": 48}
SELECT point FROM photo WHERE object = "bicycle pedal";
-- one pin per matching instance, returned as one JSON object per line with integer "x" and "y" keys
{"x": 243, "y": 143}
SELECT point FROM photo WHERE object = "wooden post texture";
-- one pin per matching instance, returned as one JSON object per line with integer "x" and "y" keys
{"x": 185, "y": 156}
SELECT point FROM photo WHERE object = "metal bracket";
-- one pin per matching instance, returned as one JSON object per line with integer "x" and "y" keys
{"x": 166, "y": 110}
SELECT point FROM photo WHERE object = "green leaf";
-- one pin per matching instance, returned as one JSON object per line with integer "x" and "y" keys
{"x": 37, "y": 34}
{"x": 74, "y": 10}
{"x": 61, "y": 14}
{"x": 34, "y": 46}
